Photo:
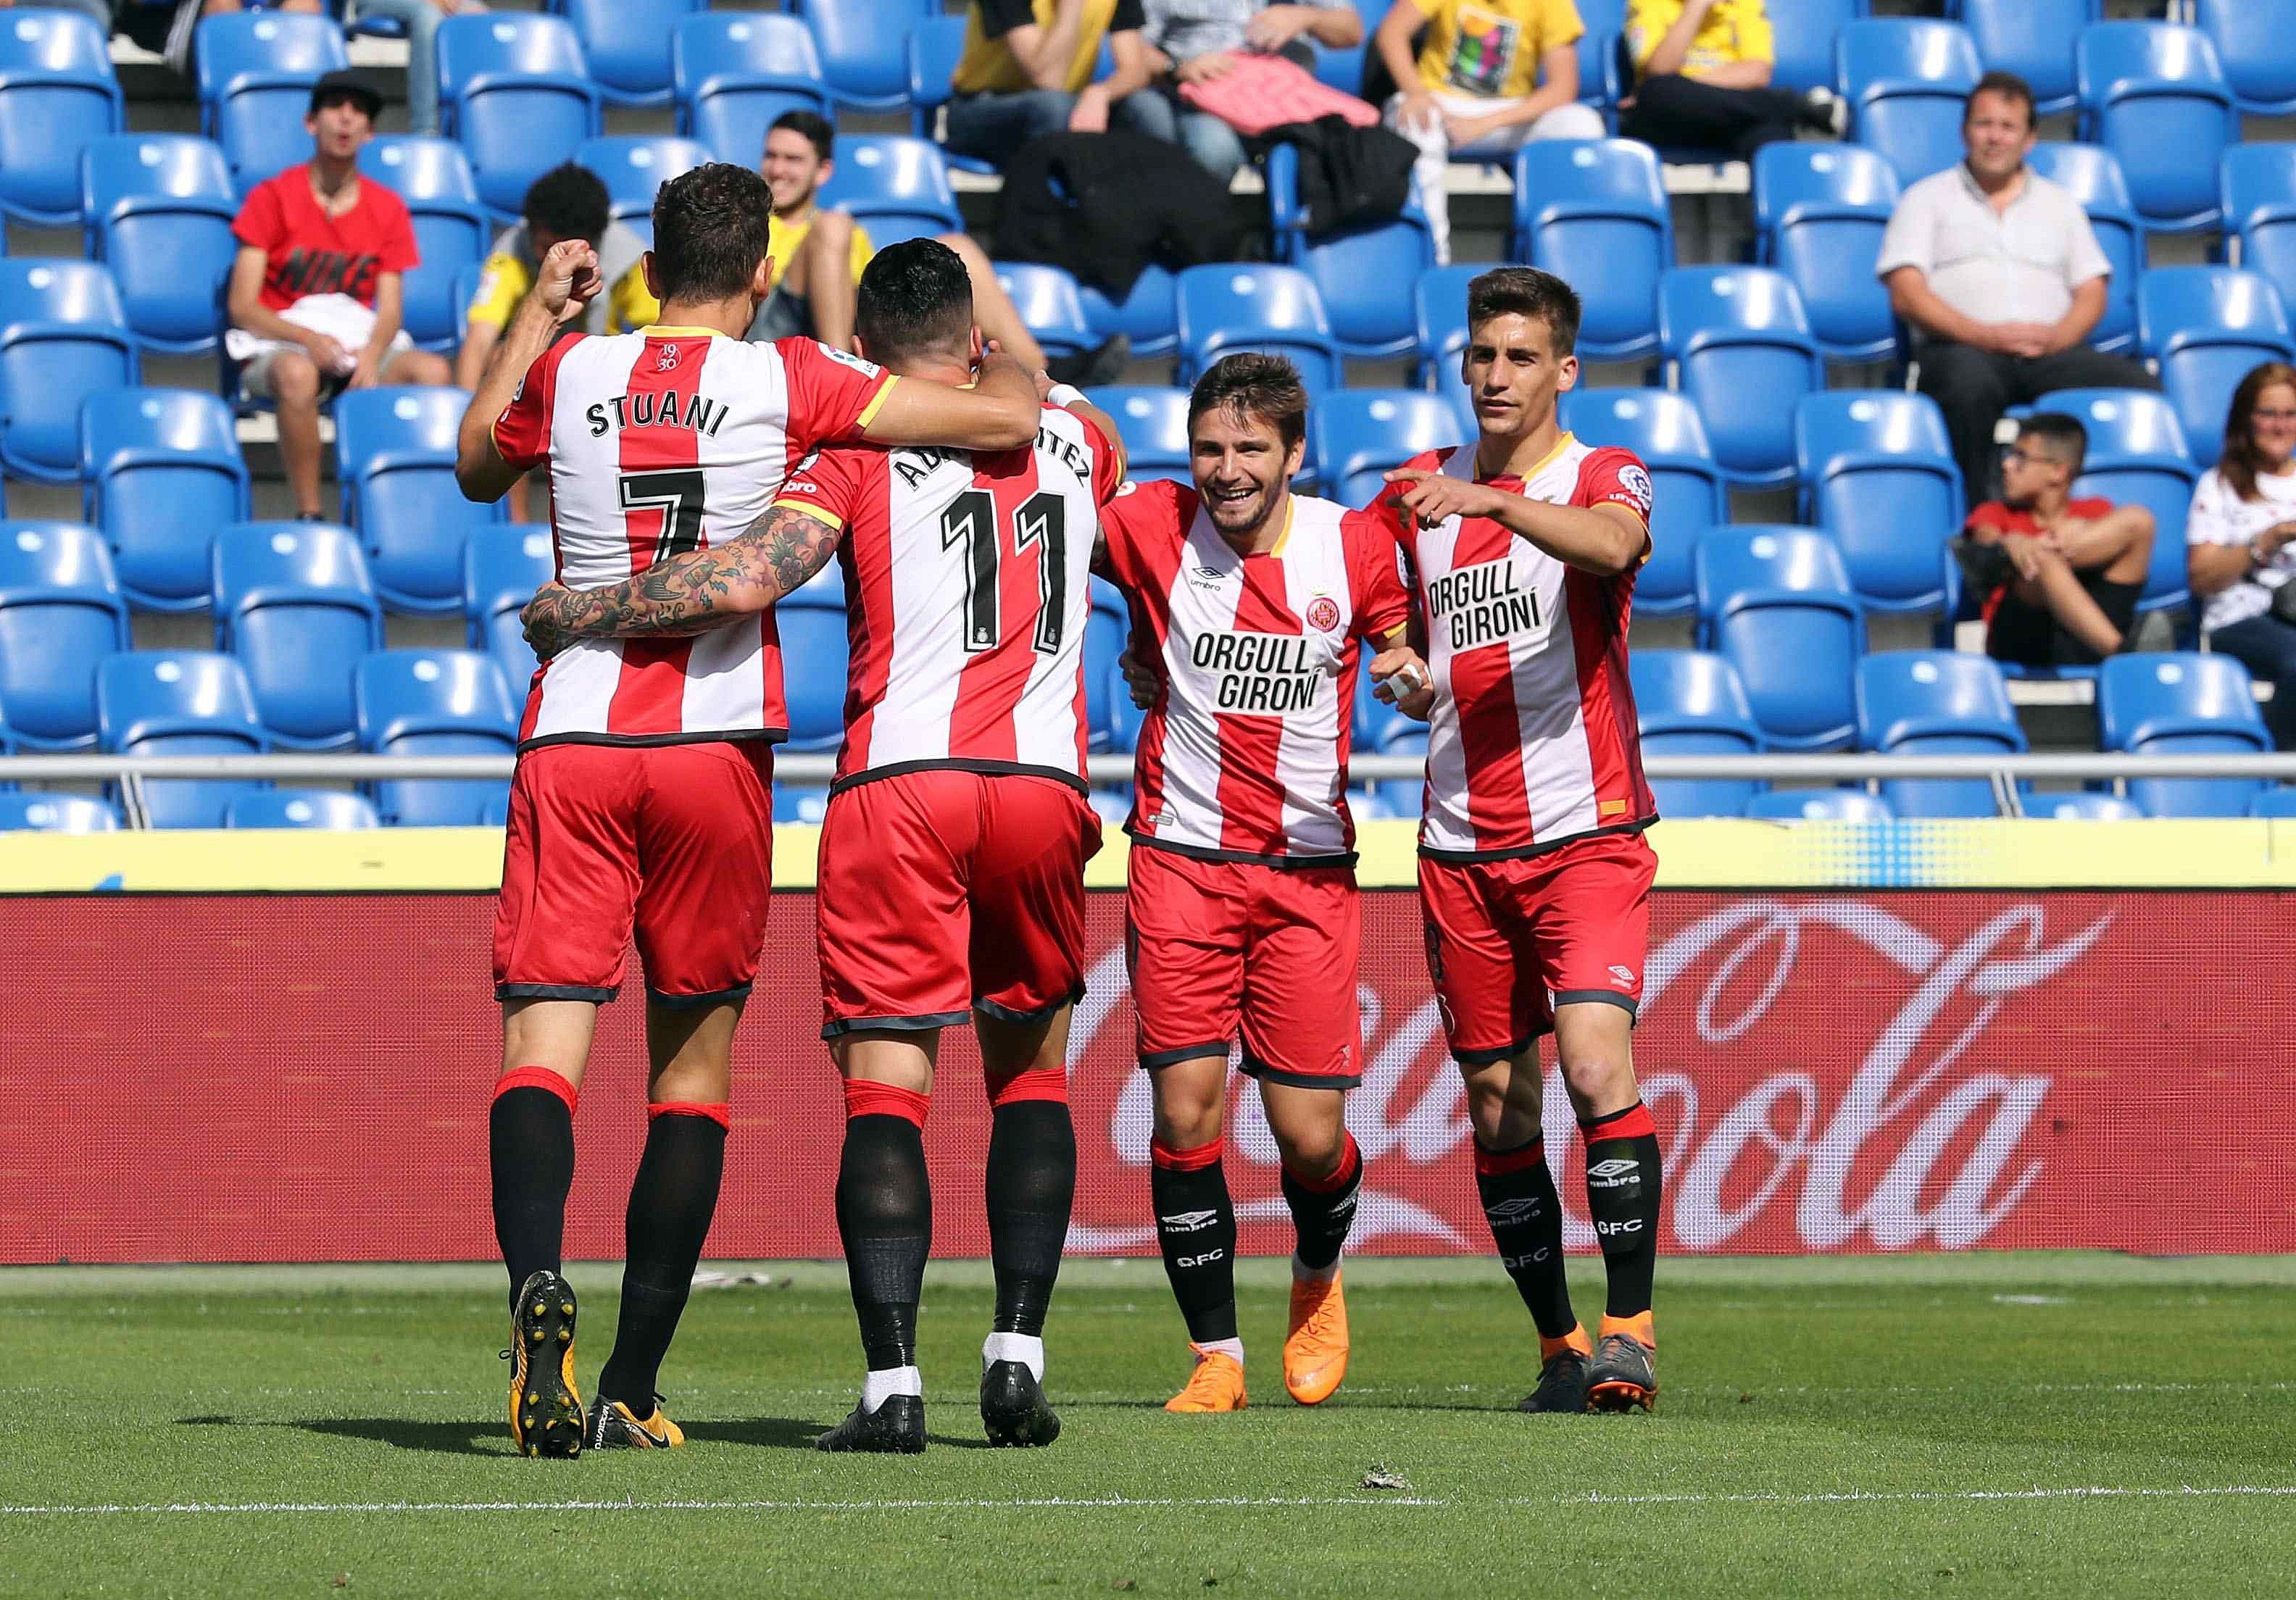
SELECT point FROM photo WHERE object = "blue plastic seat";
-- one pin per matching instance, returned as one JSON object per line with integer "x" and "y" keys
{"x": 2093, "y": 174}
{"x": 2258, "y": 188}
{"x": 815, "y": 653}
{"x": 1439, "y": 315}
{"x": 2032, "y": 39}
{"x": 2138, "y": 456}
{"x": 634, "y": 165}
{"x": 433, "y": 702}
{"x": 1405, "y": 797}
{"x": 2259, "y": 53}
{"x": 1149, "y": 315}
{"x": 1355, "y": 269}
{"x": 61, "y": 612}
{"x": 803, "y": 803}
{"x": 157, "y": 209}
{"x": 1778, "y": 602}
{"x": 1687, "y": 493}
{"x": 517, "y": 92}
{"x": 161, "y": 470}
{"x": 864, "y": 47}
{"x": 2278, "y": 802}
{"x": 2208, "y": 326}
{"x": 64, "y": 337}
{"x": 1050, "y": 303}
{"x": 1738, "y": 343}
{"x": 452, "y": 231}
{"x": 1819, "y": 805}
{"x": 936, "y": 44}
{"x": 2155, "y": 94}
{"x": 300, "y": 809}
{"x": 1802, "y": 34}
{"x": 733, "y": 72}
{"x": 293, "y": 602}
{"x": 1153, "y": 423}
{"x": 1820, "y": 214}
{"x": 626, "y": 43}
{"x": 1249, "y": 307}
{"x": 1877, "y": 473}
{"x": 255, "y": 72}
{"x": 178, "y": 702}
{"x": 395, "y": 459}
{"x": 502, "y": 567}
{"x": 1355, "y": 436}
{"x": 2083, "y": 807}
{"x": 2182, "y": 704}
{"x": 896, "y": 186}
{"x": 58, "y": 93}
{"x": 1108, "y": 624}
{"x": 1595, "y": 211}
{"x": 1908, "y": 81}
{"x": 1936, "y": 702}
{"x": 1690, "y": 702}
{"x": 56, "y": 814}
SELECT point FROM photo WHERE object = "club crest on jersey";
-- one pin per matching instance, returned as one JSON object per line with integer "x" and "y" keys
{"x": 666, "y": 358}
{"x": 1323, "y": 614}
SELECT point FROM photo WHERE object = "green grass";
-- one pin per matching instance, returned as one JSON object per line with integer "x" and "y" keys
{"x": 1824, "y": 1427}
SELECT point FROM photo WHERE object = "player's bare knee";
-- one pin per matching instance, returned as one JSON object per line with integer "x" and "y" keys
{"x": 1503, "y": 1100}
{"x": 1594, "y": 1044}
{"x": 553, "y": 1035}
{"x": 1191, "y": 1099}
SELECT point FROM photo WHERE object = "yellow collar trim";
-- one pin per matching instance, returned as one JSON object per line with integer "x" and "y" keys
{"x": 658, "y": 330}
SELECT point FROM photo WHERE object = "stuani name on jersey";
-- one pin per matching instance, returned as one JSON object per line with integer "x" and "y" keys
{"x": 667, "y": 409}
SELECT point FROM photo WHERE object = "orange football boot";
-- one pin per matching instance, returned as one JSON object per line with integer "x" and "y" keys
{"x": 1315, "y": 1350}
{"x": 1215, "y": 1385}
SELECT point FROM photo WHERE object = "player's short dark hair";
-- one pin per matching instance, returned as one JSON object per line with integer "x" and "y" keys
{"x": 1254, "y": 387}
{"x": 915, "y": 297}
{"x": 2064, "y": 436}
{"x": 1526, "y": 291}
{"x": 569, "y": 201}
{"x": 816, "y": 128}
{"x": 2008, "y": 86}
{"x": 711, "y": 228}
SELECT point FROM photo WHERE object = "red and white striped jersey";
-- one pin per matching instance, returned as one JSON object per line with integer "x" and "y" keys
{"x": 662, "y": 441}
{"x": 1533, "y": 741}
{"x": 1245, "y": 756}
{"x": 967, "y": 585}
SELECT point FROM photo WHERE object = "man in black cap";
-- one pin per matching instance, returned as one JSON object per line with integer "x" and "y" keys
{"x": 316, "y": 294}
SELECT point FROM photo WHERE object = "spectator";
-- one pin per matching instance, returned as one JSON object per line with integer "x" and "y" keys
{"x": 1489, "y": 74}
{"x": 421, "y": 19}
{"x": 1026, "y": 71}
{"x": 1999, "y": 273}
{"x": 1702, "y": 80}
{"x": 2240, "y": 535}
{"x": 565, "y": 202}
{"x": 2062, "y": 576}
{"x": 1198, "y": 41}
{"x": 315, "y": 293}
{"x": 818, "y": 256}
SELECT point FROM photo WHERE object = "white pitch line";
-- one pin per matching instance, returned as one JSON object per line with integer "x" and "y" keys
{"x": 1126, "y": 1502}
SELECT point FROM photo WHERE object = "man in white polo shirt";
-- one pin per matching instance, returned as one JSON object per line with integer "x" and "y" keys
{"x": 2000, "y": 275}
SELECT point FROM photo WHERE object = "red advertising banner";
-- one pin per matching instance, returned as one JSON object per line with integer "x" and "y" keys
{"x": 219, "y": 1078}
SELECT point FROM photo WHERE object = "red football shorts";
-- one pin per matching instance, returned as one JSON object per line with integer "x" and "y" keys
{"x": 1216, "y": 948}
{"x": 945, "y": 891}
{"x": 1507, "y": 941}
{"x": 672, "y": 841}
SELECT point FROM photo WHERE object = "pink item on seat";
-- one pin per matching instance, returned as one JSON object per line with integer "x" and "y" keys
{"x": 1266, "y": 91}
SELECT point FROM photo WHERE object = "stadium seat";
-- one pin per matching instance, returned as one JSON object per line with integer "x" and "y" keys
{"x": 1439, "y": 307}
{"x": 502, "y": 567}
{"x": 1936, "y": 702}
{"x": 1687, "y": 494}
{"x": 896, "y": 186}
{"x": 2155, "y": 95}
{"x": 1690, "y": 702}
{"x": 1356, "y": 435}
{"x": 2182, "y": 704}
{"x": 936, "y": 42}
{"x": 1405, "y": 797}
{"x": 517, "y": 93}
{"x": 1907, "y": 80}
{"x": 160, "y": 470}
{"x": 395, "y": 457}
{"x": 1802, "y": 34}
{"x": 452, "y": 231}
{"x": 61, "y": 612}
{"x": 58, "y": 93}
{"x": 293, "y": 603}
{"x": 2094, "y": 176}
{"x": 733, "y": 72}
{"x": 2136, "y": 456}
{"x": 1108, "y": 624}
{"x": 1153, "y": 423}
{"x": 2257, "y": 189}
{"x": 299, "y": 808}
{"x": 63, "y": 336}
{"x": 1355, "y": 269}
{"x": 255, "y": 72}
{"x": 1778, "y": 602}
{"x": 56, "y": 814}
{"x": 178, "y": 702}
{"x": 626, "y": 43}
{"x": 2278, "y": 802}
{"x": 433, "y": 702}
{"x": 1250, "y": 307}
{"x": 813, "y": 659}
{"x": 864, "y": 47}
{"x": 157, "y": 209}
{"x": 634, "y": 165}
{"x": 803, "y": 803}
{"x": 1877, "y": 473}
{"x": 2207, "y": 327}
{"x": 1149, "y": 315}
{"x": 2082, "y": 807}
{"x": 1596, "y": 212}
{"x": 1820, "y": 214}
{"x": 2259, "y": 53}
{"x": 1373, "y": 720}
{"x": 1819, "y": 805}
{"x": 1049, "y": 303}
{"x": 1738, "y": 343}
{"x": 2032, "y": 39}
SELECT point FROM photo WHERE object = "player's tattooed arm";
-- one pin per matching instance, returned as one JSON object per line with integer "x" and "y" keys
{"x": 689, "y": 593}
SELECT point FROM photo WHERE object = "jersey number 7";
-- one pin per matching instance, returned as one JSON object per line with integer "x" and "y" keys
{"x": 1041, "y": 519}
{"x": 677, "y": 494}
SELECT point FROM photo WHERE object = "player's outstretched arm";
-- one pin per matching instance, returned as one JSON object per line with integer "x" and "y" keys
{"x": 1606, "y": 540}
{"x": 563, "y": 287}
{"x": 998, "y": 413}
{"x": 689, "y": 593}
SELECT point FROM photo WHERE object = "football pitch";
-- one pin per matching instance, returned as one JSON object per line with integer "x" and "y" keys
{"x": 1982, "y": 1424}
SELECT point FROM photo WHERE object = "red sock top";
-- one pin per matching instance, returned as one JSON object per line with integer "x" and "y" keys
{"x": 719, "y": 1114}
{"x": 866, "y": 1099}
{"x": 1039, "y": 1083}
{"x": 1632, "y": 1123}
{"x": 1339, "y": 1177}
{"x": 538, "y": 1078}
{"x": 1184, "y": 1160}
{"x": 1498, "y": 1163}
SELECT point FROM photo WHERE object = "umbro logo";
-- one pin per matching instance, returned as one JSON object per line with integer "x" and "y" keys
{"x": 1616, "y": 1166}
{"x": 1189, "y": 1222}
{"x": 1206, "y": 577}
{"x": 1521, "y": 1205}
{"x": 1624, "y": 976}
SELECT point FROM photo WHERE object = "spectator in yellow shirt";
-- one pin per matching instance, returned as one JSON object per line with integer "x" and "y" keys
{"x": 566, "y": 202}
{"x": 1026, "y": 71}
{"x": 1702, "y": 80}
{"x": 1489, "y": 75}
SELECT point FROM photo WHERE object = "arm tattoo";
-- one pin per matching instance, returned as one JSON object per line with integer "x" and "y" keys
{"x": 696, "y": 592}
